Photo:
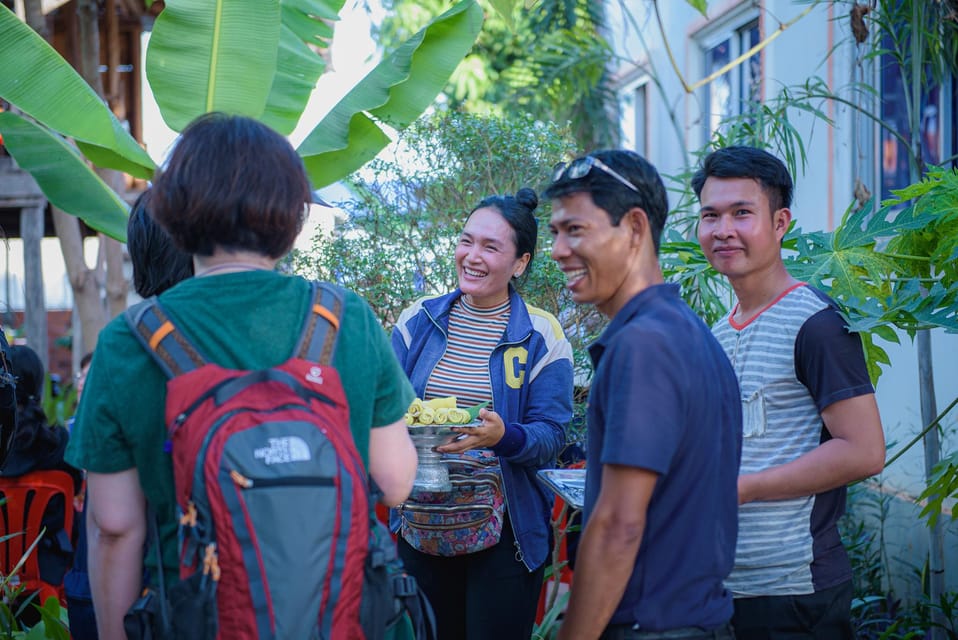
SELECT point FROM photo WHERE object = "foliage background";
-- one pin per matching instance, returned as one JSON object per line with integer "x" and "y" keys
{"x": 403, "y": 222}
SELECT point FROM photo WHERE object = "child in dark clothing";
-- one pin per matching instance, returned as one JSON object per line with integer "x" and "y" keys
{"x": 37, "y": 446}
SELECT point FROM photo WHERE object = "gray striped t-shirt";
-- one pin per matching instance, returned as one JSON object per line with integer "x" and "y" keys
{"x": 792, "y": 360}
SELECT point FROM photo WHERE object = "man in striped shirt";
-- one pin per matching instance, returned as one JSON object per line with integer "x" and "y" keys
{"x": 810, "y": 421}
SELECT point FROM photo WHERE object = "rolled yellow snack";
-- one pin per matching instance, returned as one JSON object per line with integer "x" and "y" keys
{"x": 442, "y": 416}
{"x": 426, "y": 416}
{"x": 409, "y": 419}
{"x": 415, "y": 407}
{"x": 458, "y": 416}
{"x": 448, "y": 402}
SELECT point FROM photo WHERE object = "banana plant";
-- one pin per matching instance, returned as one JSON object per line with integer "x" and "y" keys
{"x": 259, "y": 58}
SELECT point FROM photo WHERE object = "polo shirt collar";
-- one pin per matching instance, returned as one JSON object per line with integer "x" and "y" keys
{"x": 628, "y": 311}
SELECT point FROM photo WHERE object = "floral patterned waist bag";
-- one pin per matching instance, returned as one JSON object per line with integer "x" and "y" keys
{"x": 467, "y": 519}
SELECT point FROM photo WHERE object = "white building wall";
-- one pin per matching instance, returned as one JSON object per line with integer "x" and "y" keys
{"x": 836, "y": 156}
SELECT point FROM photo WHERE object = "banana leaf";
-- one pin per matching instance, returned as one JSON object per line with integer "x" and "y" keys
{"x": 43, "y": 85}
{"x": 63, "y": 175}
{"x": 474, "y": 410}
{"x": 213, "y": 55}
{"x": 395, "y": 93}
{"x": 306, "y": 27}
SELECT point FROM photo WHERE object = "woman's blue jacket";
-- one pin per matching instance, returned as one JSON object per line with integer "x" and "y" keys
{"x": 531, "y": 375}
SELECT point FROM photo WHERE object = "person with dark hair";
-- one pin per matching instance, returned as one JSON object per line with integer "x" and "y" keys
{"x": 39, "y": 446}
{"x": 811, "y": 422}
{"x": 158, "y": 264}
{"x": 233, "y": 194}
{"x": 664, "y": 423}
{"x": 36, "y": 445}
{"x": 483, "y": 343}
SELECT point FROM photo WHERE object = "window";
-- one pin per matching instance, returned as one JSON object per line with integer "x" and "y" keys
{"x": 634, "y": 110}
{"x": 735, "y": 91}
{"x": 895, "y": 155}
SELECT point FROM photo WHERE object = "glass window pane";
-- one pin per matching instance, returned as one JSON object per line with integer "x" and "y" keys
{"x": 718, "y": 94}
{"x": 894, "y": 154}
{"x": 751, "y": 88}
{"x": 640, "y": 116}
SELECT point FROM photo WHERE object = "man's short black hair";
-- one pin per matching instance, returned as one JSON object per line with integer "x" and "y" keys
{"x": 748, "y": 162}
{"x": 614, "y": 197}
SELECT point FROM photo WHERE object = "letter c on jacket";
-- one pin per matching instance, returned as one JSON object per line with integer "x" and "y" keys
{"x": 514, "y": 360}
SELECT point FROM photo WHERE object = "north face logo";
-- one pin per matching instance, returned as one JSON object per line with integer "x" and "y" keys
{"x": 280, "y": 450}
{"x": 315, "y": 375}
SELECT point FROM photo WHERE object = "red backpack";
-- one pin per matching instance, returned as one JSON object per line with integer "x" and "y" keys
{"x": 272, "y": 492}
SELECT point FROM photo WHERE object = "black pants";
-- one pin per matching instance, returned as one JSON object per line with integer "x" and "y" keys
{"x": 489, "y": 595}
{"x": 823, "y": 615}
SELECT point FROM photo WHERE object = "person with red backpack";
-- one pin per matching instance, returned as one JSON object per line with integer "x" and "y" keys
{"x": 284, "y": 393}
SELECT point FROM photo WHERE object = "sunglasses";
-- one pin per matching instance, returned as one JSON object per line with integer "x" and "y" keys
{"x": 579, "y": 168}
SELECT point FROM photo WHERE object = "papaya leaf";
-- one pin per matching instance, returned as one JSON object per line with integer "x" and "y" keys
{"x": 943, "y": 485}
{"x": 35, "y": 78}
{"x": 929, "y": 182}
{"x": 213, "y": 55}
{"x": 849, "y": 272}
{"x": 63, "y": 175}
{"x": 865, "y": 228}
{"x": 395, "y": 92}
{"x": 875, "y": 356}
{"x": 886, "y": 333}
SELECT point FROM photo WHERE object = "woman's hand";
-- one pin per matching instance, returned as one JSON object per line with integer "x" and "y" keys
{"x": 486, "y": 435}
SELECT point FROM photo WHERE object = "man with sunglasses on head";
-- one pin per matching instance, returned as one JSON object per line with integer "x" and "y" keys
{"x": 664, "y": 419}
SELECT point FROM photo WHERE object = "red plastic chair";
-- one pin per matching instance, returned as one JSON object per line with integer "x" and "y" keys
{"x": 25, "y": 499}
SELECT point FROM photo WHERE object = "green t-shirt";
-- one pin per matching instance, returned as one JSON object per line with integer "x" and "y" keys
{"x": 245, "y": 320}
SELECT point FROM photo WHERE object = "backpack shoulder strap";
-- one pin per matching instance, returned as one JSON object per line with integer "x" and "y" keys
{"x": 317, "y": 342}
{"x": 171, "y": 350}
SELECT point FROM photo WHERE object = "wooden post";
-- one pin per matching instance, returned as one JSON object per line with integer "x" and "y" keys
{"x": 34, "y": 307}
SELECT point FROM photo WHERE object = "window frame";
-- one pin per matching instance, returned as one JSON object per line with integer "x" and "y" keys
{"x": 733, "y": 28}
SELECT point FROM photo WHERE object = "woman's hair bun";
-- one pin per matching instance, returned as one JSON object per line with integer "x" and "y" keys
{"x": 527, "y": 198}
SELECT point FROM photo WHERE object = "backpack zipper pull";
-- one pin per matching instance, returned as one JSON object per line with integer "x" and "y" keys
{"x": 241, "y": 480}
{"x": 211, "y": 566}
{"x": 188, "y": 519}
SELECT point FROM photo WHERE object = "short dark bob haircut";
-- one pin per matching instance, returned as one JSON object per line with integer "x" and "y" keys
{"x": 232, "y": 183}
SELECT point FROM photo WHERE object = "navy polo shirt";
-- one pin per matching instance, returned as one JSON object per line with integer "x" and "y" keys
{"x": 665, "y": 398}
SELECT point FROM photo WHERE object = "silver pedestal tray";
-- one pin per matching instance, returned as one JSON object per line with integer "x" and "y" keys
{"x": 431, "y": 473}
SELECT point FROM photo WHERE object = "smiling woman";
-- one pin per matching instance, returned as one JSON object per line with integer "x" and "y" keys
{"x": 483, "y": 343}
{"x": 494, "y": 249}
